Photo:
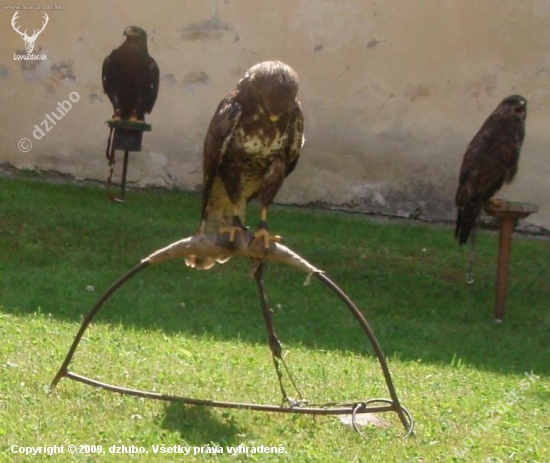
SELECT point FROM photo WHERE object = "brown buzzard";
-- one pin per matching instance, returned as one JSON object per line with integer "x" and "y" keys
{"x": 131, "y": 77}
{"x": 252, "y": 144}
{"x": 490, "y": 161}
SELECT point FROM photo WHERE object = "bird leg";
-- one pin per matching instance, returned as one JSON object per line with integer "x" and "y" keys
{"x": 236, "y": 226}
{"x": 116, "y": 115}
{"x": 262, "y": 233}
{"x": 275, "y": 344}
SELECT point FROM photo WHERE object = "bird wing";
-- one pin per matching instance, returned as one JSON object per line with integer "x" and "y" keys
{"x": 218, "y": 137}
{"x": 153, "y": 82}
{"x": 107, "y": 76}
{"x": 296, "y": 139}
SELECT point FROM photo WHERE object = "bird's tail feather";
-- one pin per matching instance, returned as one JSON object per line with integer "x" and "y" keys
{"x": 466, "y": 221}
{"x": 219, "y": 215}
{"x": 204, "y": 263}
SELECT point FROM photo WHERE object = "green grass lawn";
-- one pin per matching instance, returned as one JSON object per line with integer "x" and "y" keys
{"x": 200, "y": 334}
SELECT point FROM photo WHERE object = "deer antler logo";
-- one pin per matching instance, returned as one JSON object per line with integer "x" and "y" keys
{"x": 29, "y": 41}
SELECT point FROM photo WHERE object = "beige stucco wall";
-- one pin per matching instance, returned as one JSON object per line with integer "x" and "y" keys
{"x": 392, "y": 91}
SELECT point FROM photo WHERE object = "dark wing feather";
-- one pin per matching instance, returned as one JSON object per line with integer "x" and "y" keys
{"x": 296, "y": 139}
{"x": 153, "y": 85}
{"x": 218, "y": 137}
{"x": 107, "y": 77}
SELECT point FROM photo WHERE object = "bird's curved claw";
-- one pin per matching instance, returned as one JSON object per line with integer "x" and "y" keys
{"x": 236, "y": 227}
{"x": 266, "y": 237}
{"x": 231, "y": 231}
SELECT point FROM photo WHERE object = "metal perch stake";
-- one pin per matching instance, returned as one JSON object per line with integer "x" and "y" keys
{"x": 243, "y": 246}
{"x": 127, "y": 137}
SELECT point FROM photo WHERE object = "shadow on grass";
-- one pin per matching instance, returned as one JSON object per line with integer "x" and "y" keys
{"x": 224, "y": 304}
{"x": 198, "y": 425}
{"x": 63, "y": 246}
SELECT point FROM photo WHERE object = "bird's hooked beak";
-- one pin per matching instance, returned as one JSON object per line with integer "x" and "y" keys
{"x": 131, "y": 31}
{"x": 274, "y": 117}
{"x": 521, "y": 109}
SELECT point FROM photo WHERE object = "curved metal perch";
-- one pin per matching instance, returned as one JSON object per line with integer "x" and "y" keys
{"x": 244, "y": 246}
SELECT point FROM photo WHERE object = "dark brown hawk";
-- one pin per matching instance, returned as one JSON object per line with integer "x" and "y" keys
{"x": 490, "y": 161}
{"x": 252, "y": 144}
{"x": 131, "y": 77}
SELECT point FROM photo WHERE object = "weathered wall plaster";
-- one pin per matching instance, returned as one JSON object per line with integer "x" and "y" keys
{"x": 392, "y": 92}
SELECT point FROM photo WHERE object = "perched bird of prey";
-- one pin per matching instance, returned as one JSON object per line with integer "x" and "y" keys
{"x": 491, "y": 160}
{"x": 131, "y": 77}
{"x": 252, "y": 144}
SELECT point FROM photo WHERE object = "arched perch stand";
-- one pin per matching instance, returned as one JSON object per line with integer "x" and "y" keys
{"x": 244, "y": 246}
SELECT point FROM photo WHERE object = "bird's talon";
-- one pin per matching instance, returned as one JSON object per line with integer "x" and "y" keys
{"x": 496, "y": 203}
{"x": 263, "y": 234}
